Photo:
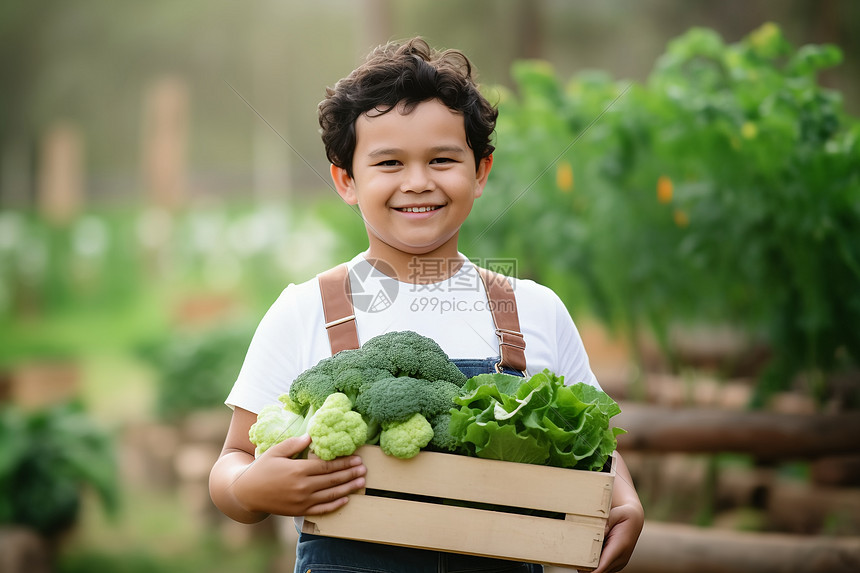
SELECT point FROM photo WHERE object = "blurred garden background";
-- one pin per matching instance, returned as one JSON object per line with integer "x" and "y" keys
{"x": 685, "y": 174}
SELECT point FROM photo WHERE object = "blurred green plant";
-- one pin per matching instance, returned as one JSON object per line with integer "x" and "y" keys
{"x": 48, "y": 457}
{"x": 724, "y": 190}
{"x": 108, "y": 257}
{"x": 45, "y": 268}
{"x": 112, "y": 278}
{"x": 346, "y": 223}
{"x": 196, "y": 369}
{"x": 210, "y": 555}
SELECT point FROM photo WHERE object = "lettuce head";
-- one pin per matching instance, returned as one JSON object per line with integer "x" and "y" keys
{"x": 535, "y": 420}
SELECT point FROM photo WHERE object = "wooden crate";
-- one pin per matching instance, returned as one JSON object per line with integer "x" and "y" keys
{"x": 571, "y": 537}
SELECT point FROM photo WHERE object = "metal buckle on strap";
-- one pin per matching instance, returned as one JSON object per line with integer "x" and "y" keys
{"x": 339, "y": 321}
{"x": 518, "y": 341}
{"x": 499, "y": 370}
{"x": 500, "y": 332}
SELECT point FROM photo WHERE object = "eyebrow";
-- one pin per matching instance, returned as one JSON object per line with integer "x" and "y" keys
{"x": 394, "y": 150}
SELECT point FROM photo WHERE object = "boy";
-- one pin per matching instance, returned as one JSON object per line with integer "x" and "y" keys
{"x": 408, "y": 135}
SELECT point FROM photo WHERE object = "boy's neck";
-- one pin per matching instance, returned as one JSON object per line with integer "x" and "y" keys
{"x": 424, "y": 268}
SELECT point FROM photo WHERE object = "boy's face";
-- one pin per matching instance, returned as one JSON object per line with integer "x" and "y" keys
{"x": 414, "y": 179}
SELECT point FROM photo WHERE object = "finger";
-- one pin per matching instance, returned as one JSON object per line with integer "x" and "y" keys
{"x": 321, "y": 508}
{"x": 329, "y": 499}
{"x": 613, "y": 557}
{"x": 322, "y": 467}
{"x": 607, "y": 560}
{"x": 290, "y": 447}
{"x": 326, "y": 487}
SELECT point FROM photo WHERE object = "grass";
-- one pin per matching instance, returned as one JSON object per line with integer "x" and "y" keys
{"x": 208, "y": 555}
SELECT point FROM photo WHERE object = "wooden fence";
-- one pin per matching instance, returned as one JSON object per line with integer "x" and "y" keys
{"x": 769, "y": 438}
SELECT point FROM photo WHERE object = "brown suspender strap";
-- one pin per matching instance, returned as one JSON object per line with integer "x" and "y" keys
{"x": 337, "y": 308}
{"x": 343, "y": 335}
{"x": 503, "y": 305}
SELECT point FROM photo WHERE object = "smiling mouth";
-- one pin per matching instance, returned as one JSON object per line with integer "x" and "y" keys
{"x": 418, "y": 209}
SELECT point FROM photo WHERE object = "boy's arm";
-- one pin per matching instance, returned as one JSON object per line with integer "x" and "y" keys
{"x": 626, "y": 518}
{"x": 248, "y": 490}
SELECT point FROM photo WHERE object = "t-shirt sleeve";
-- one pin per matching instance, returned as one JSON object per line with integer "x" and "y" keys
{"x": 552, "y": 339}
{"x": 273, "y": 358}
{"x": 572, "y": 356}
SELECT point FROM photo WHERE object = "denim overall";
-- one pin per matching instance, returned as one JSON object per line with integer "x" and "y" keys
{"x": 319, "y": 554}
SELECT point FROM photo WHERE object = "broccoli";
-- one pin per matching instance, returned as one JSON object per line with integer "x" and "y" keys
{"x": 335, "y": 429}
{"x": 275, "y": 424}
{"x": 313, "y": 386}
{"x": 407, "y": 353}
{"x": 396, "y": 399}
{"x": 402, "y": 353}
{"x": 442, "y": 439}
{"x": 405, "y": 439}
{"x": 352, "y": 380}
{"x": 390, "y": 378}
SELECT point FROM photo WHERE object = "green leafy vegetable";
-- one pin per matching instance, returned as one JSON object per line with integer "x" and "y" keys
{"x": 729, "y": 179}
{"x": 387, "y": 392}
{"x": 537, "y": 420}
{"x": 47, "y": 460}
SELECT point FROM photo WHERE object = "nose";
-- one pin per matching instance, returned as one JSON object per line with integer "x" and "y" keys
{"x": 417, "y": 179}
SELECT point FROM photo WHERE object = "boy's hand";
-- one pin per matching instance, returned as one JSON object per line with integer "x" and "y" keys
{"x": 248, "y": 489}
{"x": 277, "y": 483}
{"x": 622, "y": 531}
{"x": 626, "y": 518}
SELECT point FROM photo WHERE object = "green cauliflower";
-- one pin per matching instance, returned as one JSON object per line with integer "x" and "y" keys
{"x": 405, "y": 439}
{"x": 275, "y": 424}
{"x": 335, "y": 429}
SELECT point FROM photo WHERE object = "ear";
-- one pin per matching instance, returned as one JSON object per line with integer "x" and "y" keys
{"x": 484, "y": 167}
{"x": 344, "y": 185}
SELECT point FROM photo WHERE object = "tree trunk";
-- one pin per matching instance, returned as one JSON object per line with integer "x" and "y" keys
{"x": 668, "y": 548}
{"x": 765, "y": 435}
{"x": 23, "y": 551}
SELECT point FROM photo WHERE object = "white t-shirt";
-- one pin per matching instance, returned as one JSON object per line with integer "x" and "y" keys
{"x": 291, "y": 337}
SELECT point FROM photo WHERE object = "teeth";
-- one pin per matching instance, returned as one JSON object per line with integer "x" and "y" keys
{"x": 418, "y": 209}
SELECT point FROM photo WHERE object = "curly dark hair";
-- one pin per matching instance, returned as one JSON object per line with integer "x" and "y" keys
{"x": 405, "y": 73}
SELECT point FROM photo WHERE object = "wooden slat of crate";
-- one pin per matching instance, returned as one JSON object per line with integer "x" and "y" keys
{"x": 571, "y": 542}
{"x": 490, "y": 481}
{"x": 463, "y": 530}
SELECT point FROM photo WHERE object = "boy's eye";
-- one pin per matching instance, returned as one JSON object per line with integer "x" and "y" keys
{"x": 388, "y": 163}
{"x": 441, "y": 160}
